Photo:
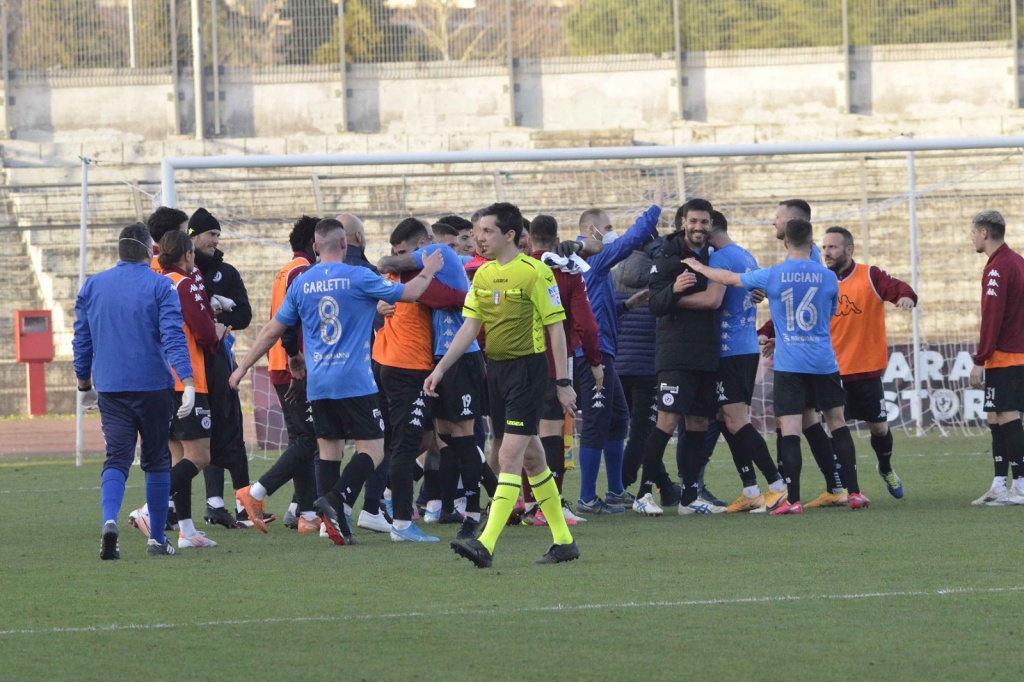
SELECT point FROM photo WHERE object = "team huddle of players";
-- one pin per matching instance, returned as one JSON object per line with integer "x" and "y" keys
{"x": 492, "y": 316}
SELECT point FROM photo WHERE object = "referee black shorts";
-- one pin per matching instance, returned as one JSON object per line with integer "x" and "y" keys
{"x": 517, "y": 389}
{"x": 795, "y": 392}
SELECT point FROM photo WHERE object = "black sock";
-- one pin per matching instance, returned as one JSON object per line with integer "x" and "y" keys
{"x": 352, "y": 478}
{"x": 488, "y": 479}
{"x": 821, "y": 448}
{"x": 778, "y": 457}
{"x": 654, "y": 472}
{"x": 555, "y": 457}
{"x": 449, "y": 478}
{"x": 752, "y": 442}
{"x": 882, "y": 445}
{"x": 846, "y": 454}
{"x": 741, "y": 458}
{"x": 182, "y": 474}
{"x": 213, "y": 475}
{"x": 1013, "y": 443}
{"x": 999, "y": 460}
{"x": 330, "y": 472}
{"x": 693, "y": 462}
{"x": 469, "y": 468}
{"x": 792, "y": 461}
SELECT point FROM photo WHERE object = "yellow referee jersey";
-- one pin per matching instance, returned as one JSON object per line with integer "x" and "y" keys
{"x": 515, "y": 302}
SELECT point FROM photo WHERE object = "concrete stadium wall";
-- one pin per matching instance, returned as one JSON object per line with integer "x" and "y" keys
{"x": 720, "y": 89}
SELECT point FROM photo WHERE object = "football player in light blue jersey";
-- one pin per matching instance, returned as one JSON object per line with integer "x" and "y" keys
{"x": 737, "y": 374}
{"x": 821, "y": 447}
{"x": 802, "y": 296}
{"x": 336, "y": 304}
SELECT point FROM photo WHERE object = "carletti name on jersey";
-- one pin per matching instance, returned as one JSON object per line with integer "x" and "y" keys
{"x": 324, "y": 285}
{"x": 798, "y": 277}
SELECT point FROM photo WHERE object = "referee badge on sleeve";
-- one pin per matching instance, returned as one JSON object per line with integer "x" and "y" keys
{"x": 554, "y": 296}
{"x": 497, "y": 297}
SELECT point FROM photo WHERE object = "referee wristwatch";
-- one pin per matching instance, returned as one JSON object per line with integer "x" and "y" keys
{"x": 564, "y": 383}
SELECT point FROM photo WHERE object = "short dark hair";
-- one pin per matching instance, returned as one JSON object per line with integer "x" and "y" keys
{"x": 131, "y": 243}
{"x": 590, "y": 215}
{"x": 163, "y": 220}
{"x": 409, "y": 230}
{"x": 801, "y": 207}
{"x": 507, "y": 216}
{"x": 445, "y": 229}
{"x": 691, "y": 205}
{"x": 302, "y": 233}
{"x": 799, "y": 232}
{"x": 173, "y": 246}
{"x": 847, "y": 236}
{"x": 719, "y": 223}
{"x": 992, "y": 222}
{"x": 328, "y": 225}
{"x": 458, "y": 222}
{"x": 544, "y": 230}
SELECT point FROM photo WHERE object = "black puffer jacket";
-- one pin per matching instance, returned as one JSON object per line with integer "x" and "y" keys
{"x": 686, "y": 339}
{"x": 223, "y": 280}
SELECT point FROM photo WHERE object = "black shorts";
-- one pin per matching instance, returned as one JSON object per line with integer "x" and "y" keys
{"x": 197, "y": 425}
{"x": 736, "y": 377}
{"x": 552, "y": 410}
{"x": 865, "y": 400}
{"x": 517, "y": 389}
{"x": 357, "y": 418}
{"x": 460, "y": 390}
{"x": 687, "y": 392}
{"x": 1004, "y": 389}
{"x": 795, "y": 392}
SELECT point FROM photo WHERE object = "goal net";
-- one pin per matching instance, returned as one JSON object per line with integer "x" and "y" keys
{"x": 871, "y": 194}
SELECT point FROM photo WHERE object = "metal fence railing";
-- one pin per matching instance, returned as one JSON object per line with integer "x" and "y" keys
{"x": 304, "y": 38}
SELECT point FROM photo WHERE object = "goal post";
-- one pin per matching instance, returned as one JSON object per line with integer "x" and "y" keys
{"x": 908, "y": 202}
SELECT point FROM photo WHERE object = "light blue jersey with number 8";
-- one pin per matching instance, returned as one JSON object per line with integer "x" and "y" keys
{"x": 802, "y": 297}
{"x": 336, "y": 304}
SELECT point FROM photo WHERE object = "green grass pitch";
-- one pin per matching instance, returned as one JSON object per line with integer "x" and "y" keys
{"x": 923, "y": 588}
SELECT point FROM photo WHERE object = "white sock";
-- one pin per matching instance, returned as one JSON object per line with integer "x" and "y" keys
{"x": 215, "y": 502}
{"x": 999, "y": 483}
{"x": 387, "y": 493}
{"x": 186, "y": 528}
{"x": 401, "y": 525}
{"x": 529, "y": 506}
{"x": 309, "y": 516}
{"x": 170, "y": 505}
{"x": 473, "y": 515}
{"x": 294, "y": 507}
{"x": 257, "y": 491}
{"x": 751, "y": 491}
{"x": 113, "y": 521}
{"x": 238, "y": 506}
{"x": 778, "y": 486}
{"x": 433, "y": 506}
{"x": 347, "y": 509}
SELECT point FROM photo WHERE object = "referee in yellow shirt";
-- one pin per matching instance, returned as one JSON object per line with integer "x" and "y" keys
{"x": 516, "y": 299}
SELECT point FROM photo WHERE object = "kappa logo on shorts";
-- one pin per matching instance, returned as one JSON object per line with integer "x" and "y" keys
{"x": 415, "y": 421}
{"x": 467, "y": 400}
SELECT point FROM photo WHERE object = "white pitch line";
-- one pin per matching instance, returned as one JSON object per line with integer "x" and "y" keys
{"x": 117, "y": 627}
{"x": 62, "y": 490}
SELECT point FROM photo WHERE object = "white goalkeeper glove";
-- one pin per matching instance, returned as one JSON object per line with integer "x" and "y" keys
{"x": 188, "y": 401}
{"x": 90, "y": 401}
{"x": 225, "y": 303}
